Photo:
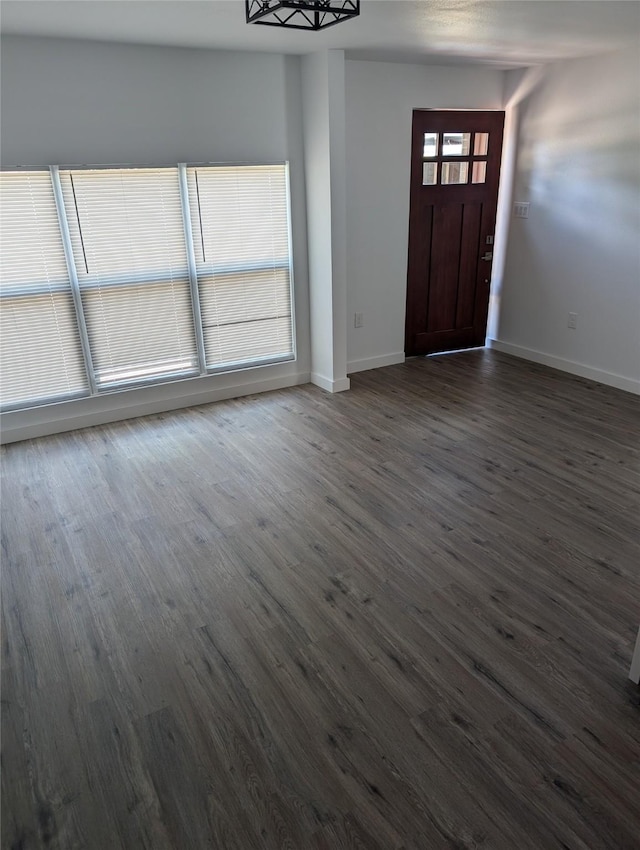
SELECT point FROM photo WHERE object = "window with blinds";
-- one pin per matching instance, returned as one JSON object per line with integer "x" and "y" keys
{"x": 125, "y": 276}
{"x": 129, "y": 251}
{"x": 41, "y": 356}
{"x": 239, "y": 221}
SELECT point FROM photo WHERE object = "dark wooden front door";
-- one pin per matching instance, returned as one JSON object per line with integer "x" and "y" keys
{"x": 455, "y": 167}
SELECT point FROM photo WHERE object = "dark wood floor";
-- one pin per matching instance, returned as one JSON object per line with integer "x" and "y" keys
{"x": 398, "y": 617}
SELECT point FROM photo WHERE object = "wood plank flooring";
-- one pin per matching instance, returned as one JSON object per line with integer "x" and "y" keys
{"x": 398, "y": 617}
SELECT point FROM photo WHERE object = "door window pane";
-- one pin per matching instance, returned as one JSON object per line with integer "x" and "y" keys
{"x": 429, "y": 173}
{"x": 430, "y": 147}
{"x": 479, "y": 172}
{"x": 456, "y": 144}
{"x": 454, "y": 172}
{"x": 480, "y": 144}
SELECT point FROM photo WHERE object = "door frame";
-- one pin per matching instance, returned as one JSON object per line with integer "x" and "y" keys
{"x": 416, "y": 301}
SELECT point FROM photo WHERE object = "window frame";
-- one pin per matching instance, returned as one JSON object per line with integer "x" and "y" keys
{"x": 96, "y": 390}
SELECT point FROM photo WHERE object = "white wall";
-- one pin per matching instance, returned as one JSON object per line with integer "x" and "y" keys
{"x": 78, "y": 101}
{"x": 380, "y": 98}
{"x": 579, "y": 250}
{"x": 73, "y": 102}
{"x": 324, "y": 144}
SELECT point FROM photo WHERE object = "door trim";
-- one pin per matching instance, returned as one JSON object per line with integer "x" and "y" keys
{"x": 468, "y": 327}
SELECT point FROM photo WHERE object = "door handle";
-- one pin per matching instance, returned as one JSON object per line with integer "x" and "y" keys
{"x": 488, "y": 255}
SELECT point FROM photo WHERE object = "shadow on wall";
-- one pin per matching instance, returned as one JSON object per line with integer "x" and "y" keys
{"x": 570, "y": 160}
{"x": 518, "y": 85}
{"x": 576, "y": 137}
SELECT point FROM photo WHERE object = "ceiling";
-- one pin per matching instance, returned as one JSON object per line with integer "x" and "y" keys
{"x": 501, "y": 33}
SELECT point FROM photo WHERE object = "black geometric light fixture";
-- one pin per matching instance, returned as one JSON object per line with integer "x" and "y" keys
{"x": 301, "y": 14}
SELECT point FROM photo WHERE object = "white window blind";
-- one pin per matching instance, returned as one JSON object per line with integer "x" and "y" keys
{"x": 104, "y": 284}
{"x": 240, "y": 226}
{"x": 128, "y": 243}
{"x": 39, "y": 339}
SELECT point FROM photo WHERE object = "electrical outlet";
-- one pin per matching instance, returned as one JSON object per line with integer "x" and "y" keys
{"x": 572, "y": 321}
{"x": 521, "y": 209}
{"x": 358, "y": 320}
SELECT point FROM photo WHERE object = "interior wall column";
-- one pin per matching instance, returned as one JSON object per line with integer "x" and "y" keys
{"x": 323, "y": 87}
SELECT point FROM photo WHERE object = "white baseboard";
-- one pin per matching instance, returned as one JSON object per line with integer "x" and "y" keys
{"x": 329, "y": 385}
{"x": 83, "y": 413}
{"x": 375, "y": 362}
{"x": 630, "y": 385}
